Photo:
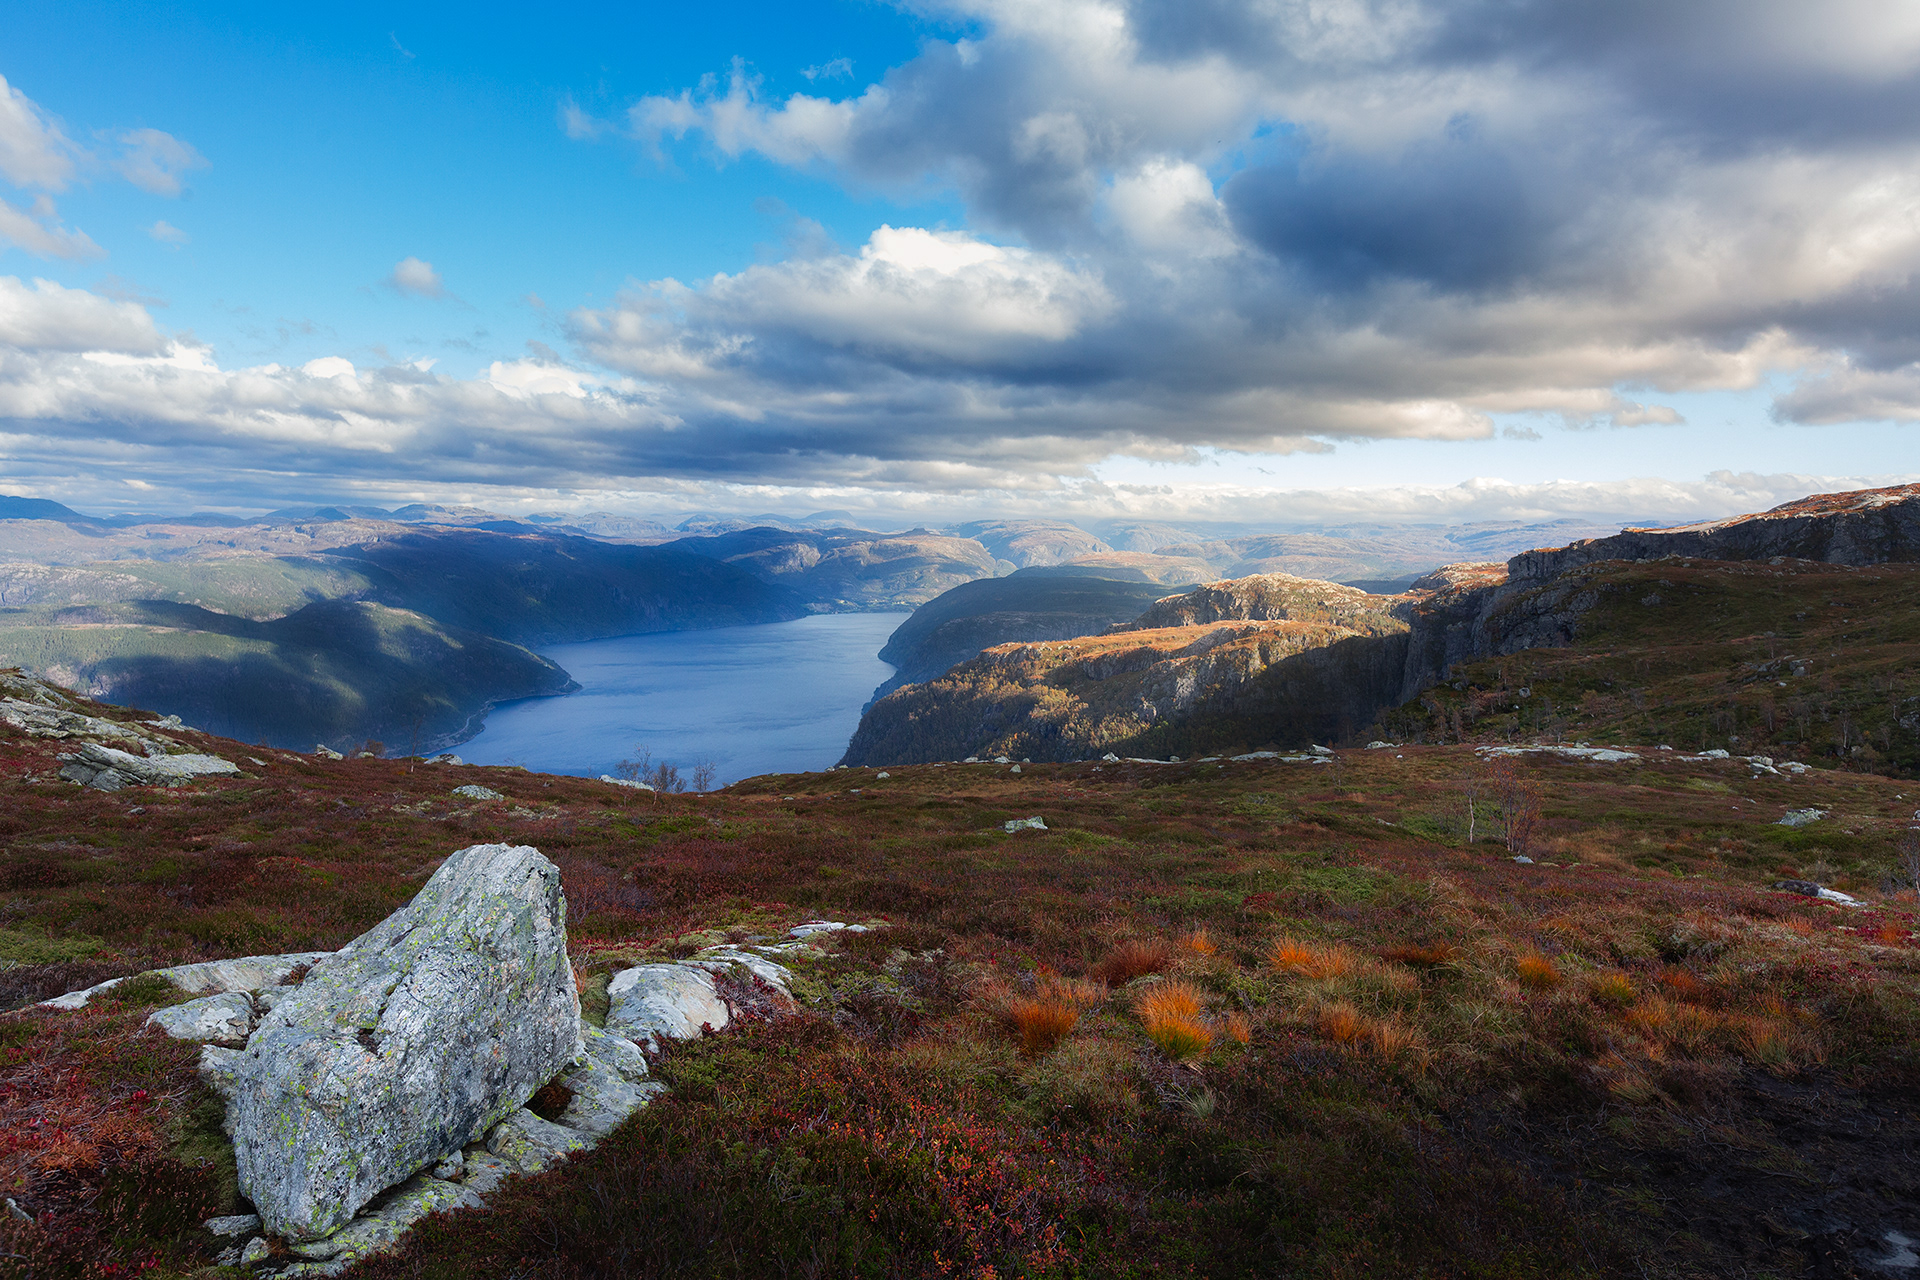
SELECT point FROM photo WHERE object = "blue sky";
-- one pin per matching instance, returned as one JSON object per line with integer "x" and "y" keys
{"x": 1209, "y": 260}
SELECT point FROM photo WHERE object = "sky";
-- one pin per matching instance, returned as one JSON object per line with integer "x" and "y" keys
{"x": 1287, "y": 261}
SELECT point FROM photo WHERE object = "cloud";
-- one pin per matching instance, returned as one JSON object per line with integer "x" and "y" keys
{"x": 412, "y": 276}
{"x": 168, "y": 234}
{"x": 33, "y": 151}
{"x": 40, "y": 233}
{"x": 47, "y": 318}
{"x": 153, "y": 160}
{"x": 1369, "y": 218}
{"x": 833, "y": 70}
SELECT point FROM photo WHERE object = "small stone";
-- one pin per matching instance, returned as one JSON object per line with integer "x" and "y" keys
{"x": 1015, "y": 769}
{"x": 1524, "y": 860}
{"x": 1801, "y": 817}
{"x": 326, "y": 752}
{"x": 634, "y": 783}
{"x": 234, "y": 1224}
{"x": 450, "y": 1167}
{"x": 1024, "y": 824}
{"x": 473, "y": 791}
{"x": 255, "y": 1252}
{"x": 225, "y": 1019}
{"x": 883, "y": 774}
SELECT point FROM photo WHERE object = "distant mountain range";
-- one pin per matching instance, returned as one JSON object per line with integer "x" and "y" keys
{"x": 239, "y": 623}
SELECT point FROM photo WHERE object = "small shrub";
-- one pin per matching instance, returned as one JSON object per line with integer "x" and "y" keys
{"x": 1134, "y": 958}
{"x": 1538, "y": 972}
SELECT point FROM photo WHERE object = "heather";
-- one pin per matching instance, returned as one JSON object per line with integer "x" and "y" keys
{"x": 1221, "y": 1018}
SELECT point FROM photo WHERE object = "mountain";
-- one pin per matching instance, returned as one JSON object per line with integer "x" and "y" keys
{"x": 850, "y": 569}
{"x": 339, "y": 671}
{"x": 1029, "y": 543}
{"x": 404, "y": 633}
{"x": 541, "y": 588}
{"x": 1031, "y": 604}
{"x": 1226, "y": 668}
{"x": 1640, "y": 616}
{"x": 12, "y": 508}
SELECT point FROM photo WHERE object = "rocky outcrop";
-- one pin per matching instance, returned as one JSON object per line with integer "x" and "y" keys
{"x": 1274, "y": 597}
{"x": 407, "y": 1044}
{"x": 1033, "y": 604}
{"x": 110, "y": 769}
{"x": 1174, "y": 690}
{"x": 1866, "y": 526}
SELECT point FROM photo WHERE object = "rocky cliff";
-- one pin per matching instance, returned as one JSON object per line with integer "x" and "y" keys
{"x": 1866, "y": 526}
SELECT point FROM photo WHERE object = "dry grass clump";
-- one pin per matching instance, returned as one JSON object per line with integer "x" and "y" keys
{"x": 1313, "y": 959}
{"x": 1422, "y": 956}
{"x": 1170, "y": 1012}
{"x": 1044, "y": 1018}
{"x": 1199, "y": 941}
{"x": 1342, "y": 1023}
{"x": 1133, "y": 958}
{"x": 1614, "y": 990}
{"x": 1042, "y": 1021}
{"x": 1538, "y": 972}
{"x": 1238, "y": 1029}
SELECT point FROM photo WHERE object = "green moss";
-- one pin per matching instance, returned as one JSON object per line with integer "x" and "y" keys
{"x": 30, "y": 946}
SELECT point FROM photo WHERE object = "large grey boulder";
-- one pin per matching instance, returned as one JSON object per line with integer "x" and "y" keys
{"x": 222, "y": 1019}
{"x": 652, "y": 1002}
{"x": 408, "y": 1043}
{"x": 110, "y": 769}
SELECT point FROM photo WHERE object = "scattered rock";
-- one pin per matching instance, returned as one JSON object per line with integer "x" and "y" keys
{"x": 256, "y": 1252}
{"x": 235, "y": 1224}
{"x": 1808, "y": 889}
{"x": 1111, "y": 758}
{"x": 387, "y": 1220}
{"x": 529, "y": 1143}
{"x": 109, "y": 768}
{"x": 812, "y": 927}
{"x": 674, "y": 1001}
{"x": 1015, "y": 769}
{"x": 1524, "y": 860}
{"x": 1025, "y": 824}
{"x": 326, "y": 752}
{"x": 208, "y": 977}
{"x": 225, "y": 1019}
{"x": 635, "y": 783}
{"x": 473, "y": 791}
{"x": 445, "y": 757}
{"x": 1801, "y": 817}
{"x": 880, "y": 775}
{"x": 411, "y": 1041}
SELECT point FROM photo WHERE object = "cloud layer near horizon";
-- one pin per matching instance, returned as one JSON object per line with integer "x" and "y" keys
{"x": 1213, "y": 224}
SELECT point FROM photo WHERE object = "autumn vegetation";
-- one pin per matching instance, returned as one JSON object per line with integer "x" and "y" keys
{"x": 1219, "y": 1019}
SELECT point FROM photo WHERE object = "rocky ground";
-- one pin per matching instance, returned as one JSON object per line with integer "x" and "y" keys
{"x": 1268, "y": 1016}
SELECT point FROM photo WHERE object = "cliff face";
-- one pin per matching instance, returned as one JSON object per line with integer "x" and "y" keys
{"x": 1185, "y": 690}
{"x": 1867, "y": 526}
{"x": 1271, "y": 597}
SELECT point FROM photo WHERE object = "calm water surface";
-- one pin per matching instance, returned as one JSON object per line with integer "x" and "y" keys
{"x": 776, "y": 698}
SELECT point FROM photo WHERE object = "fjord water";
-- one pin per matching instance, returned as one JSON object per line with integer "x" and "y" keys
{"x": 776, "y": 698}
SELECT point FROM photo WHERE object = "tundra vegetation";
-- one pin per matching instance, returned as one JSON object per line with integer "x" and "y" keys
{"x": 1219, "y": 1018}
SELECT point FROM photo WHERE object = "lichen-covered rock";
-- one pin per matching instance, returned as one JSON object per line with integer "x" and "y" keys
{"x": 605, "y": 1090}
{"x": 224, "y": 1019}
{"x": 389, "y": 1220}
{"x": 409, "y": 1042}
{"x": 652, "y": 1001}
{"x": 208, "y": 977}
{"x": 529, "y": 1143}
{"x": 474, "y": 791}
{"x": 109, "y": 768}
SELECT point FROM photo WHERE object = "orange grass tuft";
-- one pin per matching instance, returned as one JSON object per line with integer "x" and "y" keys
{"x": 1538, "y": 972}
{"x": 1043, "y": 1022}
{"x": 1391, "y": 1039}
{"x": 1312, "y": 960}
{"x": 1429, "y": 956}
{"x": 1682, "y": 985}
{"x": 1200, "y": 942}
{"x": 1170, "y": 1012}
{"x": 1134, "y": 958}
{"x": 1237, "y": 1028}
{"x": 1342, "y": 1022}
